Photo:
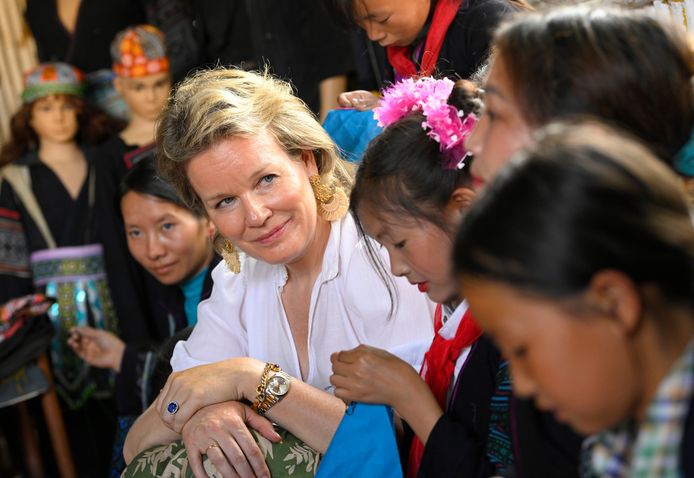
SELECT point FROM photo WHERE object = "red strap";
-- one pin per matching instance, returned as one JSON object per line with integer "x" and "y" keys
{"x": 438, "y": 368}
{"x": 399, "y": 56}
{"x": 128, "y": 157}
{"x": 9, "y": 213}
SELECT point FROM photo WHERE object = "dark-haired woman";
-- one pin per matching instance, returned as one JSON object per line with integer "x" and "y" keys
{"x": 624, "y": 67}
{"x": 598, "y": 323}
{"x": 174, "y": 245}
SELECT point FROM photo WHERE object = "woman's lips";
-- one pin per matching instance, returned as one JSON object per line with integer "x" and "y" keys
{"x": 477, "y": 183}
{"x": 423, "y": 286}
{"x": 163, "y": 270}
{"x": 273, "y": 234}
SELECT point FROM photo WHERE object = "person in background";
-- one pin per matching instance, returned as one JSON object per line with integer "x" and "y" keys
{"x": 598, "y": 62}
{"x": 52, "y": 243}
{"x": 174, "y": 245}
{"x": 302, "y": 44}
{"x": 143, "y": 80}
{"x": 79, "y": 32}
{"x": 598, "y": 322}
{"x": 423, "y": 37}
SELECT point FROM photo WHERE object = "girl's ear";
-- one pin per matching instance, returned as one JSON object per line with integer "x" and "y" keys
{"x": 461, "y": 199}
{"x": 616, "y": 296}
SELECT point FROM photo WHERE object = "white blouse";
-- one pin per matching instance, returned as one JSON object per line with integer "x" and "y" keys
{"x": 349, "y": 306}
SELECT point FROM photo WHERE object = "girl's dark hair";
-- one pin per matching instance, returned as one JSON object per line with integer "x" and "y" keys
{"x": 94, "y": 126}
{"x": 622, "y": 66}
{"x": 583, "y": 199}
{"x": 144, "y": 178}
{"x": 401, "y": 171}
{"x": 343, "y": 11}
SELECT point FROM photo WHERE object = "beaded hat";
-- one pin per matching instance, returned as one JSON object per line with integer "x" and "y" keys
{"x": 52, "y": 79}
{"x": 139, "y": 51}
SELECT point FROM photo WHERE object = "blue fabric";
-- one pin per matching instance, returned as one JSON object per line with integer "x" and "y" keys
{"x": 363, "y": 446}
{"x": 192, "y": 290}
{"x": 351, "y": 130}
{"x": 684, "y": 161}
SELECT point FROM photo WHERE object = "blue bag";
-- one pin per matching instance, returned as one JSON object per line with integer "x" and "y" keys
{"x": 351, "y": 130}
{"x": 363, "y": 446}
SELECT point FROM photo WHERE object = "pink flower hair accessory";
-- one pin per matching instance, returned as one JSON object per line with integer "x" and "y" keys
{"x": 444, "y": 123}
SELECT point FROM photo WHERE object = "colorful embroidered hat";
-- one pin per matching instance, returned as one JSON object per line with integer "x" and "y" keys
{"x": 52, "y": 79}
{"x": 139, "y": 51}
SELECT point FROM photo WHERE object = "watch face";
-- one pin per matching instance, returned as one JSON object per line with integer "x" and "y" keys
{"x": 278, "y": 385}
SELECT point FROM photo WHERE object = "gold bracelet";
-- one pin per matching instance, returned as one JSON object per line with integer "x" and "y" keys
{"x": 274, "y": 385}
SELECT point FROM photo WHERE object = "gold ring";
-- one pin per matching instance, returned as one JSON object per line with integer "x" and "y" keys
{"x": 212, "y": 445}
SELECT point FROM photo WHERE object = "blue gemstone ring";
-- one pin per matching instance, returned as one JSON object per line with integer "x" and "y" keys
{"x": 172, "y": 407}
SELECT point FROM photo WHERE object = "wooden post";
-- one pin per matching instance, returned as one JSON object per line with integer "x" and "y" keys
{"x": 56, "y": 427}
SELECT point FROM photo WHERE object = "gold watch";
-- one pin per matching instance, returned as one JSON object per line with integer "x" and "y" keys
{"x": 273, "y": 387}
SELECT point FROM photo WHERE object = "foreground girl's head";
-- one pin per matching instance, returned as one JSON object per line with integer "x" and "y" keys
{"x": 409, "y": 195}
{"x": 623, "y": 67}
{"x": 168, "y": 239}
{"x": 579, "y": 261}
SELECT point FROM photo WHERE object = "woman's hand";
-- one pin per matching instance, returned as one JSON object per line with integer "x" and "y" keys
{"x": 98, "y": 348}
{"x": 221, "y": 432}
{"x": 368, "y": 374}
{"x": 188, "y": 391}
{"x": 361, "y": 100}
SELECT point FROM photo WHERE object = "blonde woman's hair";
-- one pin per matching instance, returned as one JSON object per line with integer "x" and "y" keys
{"x": 216, "y": 104}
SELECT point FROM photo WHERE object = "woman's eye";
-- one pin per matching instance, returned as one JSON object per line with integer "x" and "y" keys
{"x": 226, "y": 202}
{"x": 134, "y": 233}
{"x": 383, "y": 21}
{"x": 268, "y": 178}
{"x": 167, "y": 226}
{"x": 399, "y": 245}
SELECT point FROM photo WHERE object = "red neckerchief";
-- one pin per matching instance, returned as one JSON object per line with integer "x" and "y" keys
{"x": 438, "y": 368}
{"x": 398, "y": 56}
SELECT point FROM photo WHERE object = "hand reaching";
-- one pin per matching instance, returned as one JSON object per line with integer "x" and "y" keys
{"x": 98, "y": 348}
{"x": 361, "y": 100}
{"x": 368, "y": 374}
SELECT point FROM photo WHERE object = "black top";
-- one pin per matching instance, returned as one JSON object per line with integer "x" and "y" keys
{"x": 88, "y": 47}
{"x": 457, "y": 443}
{"x": 133, "y": 385}
{"x": 542, "y": 446}
{"x": 300, "y": 42}
{"x": 466, "y": 44}
{"x": 66, "y": 218}
{"x": 70, "y": 225}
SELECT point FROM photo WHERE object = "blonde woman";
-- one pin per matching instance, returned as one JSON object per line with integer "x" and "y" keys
{"x": 297, "y": 283}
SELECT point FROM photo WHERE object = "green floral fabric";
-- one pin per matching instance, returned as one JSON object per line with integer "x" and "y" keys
{"x": 289, "y": 458}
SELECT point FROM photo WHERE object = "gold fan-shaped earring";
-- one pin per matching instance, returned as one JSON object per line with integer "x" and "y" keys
{"x": 332, "y": 201}
{"x": 231, "y": 256}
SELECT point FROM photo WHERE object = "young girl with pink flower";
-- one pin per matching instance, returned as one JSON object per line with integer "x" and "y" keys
{"x": 411, "y": 192}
